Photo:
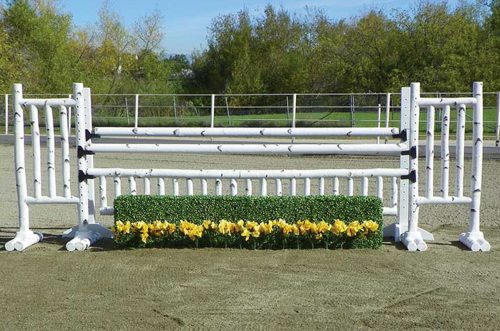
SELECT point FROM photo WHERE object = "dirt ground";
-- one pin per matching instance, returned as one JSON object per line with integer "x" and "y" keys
{"x": 446, "y": 287}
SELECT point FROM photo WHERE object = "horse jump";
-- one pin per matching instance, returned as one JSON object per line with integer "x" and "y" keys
{"x": 405, "y": 197}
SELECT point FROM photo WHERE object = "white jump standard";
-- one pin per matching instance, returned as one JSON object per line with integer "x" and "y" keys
{"x": 403, "y": 142}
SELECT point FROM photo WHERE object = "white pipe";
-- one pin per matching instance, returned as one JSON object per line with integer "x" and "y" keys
{"x": 218, "y": 187}
{"x": 387, "y": 111}
{"x": 212, "y": 111}
{"x": 51, "y": 171}
{"x": 302, "y": 149}
{"x": 204, "y": 186}
{"x": 132, "y": 186}
{"x": 68, "y": 102}
{"x": 429, "y": 153}
{"x": 294, "y": 109}
{"x": 336, "y": 185}
{"x": 69, "y": 117}
{"x": 395, "y": 193}
{"x": 364, "y": 186}
{"x": 244, "y": 132}
{"x": 379, "y": 117}
{"x": 263, "y": 187}
{"x": 350, "y": 186}
{"x": 118, "y": 186}
{"x": 439, "y": 102}
{"x": 175, "y": 186}
{"x": 83, "y": 241}
{"x": 189, "y": 186}
{"x": 19, "y": 158}
{"x": 248, "y": 187}
{"x": 445, "y": 151}
{"x": 233, "y": 187}
{"x": 136, "y": 109}
{"x": 87, "y": 107}
{"x": 443, "y": 201}
{"x": 251, "y": 174}
{"x": 386, "y": 211}
{"x": 102, "y": 191}
{"x": 322, "y": 186}
{"x": 307, "y": 186}
{"x": 147, "y": 186}
{"x": 460, "y": 151}
{"x": 43, "y": 200}
{"x": 66, "y": 166}
{"x": 81, "y": 127}
{"x": 380, "y": 187}
{"x": 279, "y": 187}
{"x": 293, "y": 187}
{"x": 35, "y": 140}
{"x": 161, "y": 186}
{"x": 23, "y": 240}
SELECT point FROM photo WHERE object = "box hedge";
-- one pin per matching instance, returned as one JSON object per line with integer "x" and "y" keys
{"x": 150, "y": 208}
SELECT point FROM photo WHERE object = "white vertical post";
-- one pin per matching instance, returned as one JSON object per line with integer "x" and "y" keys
{"x": 307, "y": 186}
{"x": 35, "y": 141}
{"x": 429, "y": 153}
{"x": 248, "y": 187}
{"x": 189, "y": 186}
{"x": 380, "y": 187}
{"x": 218, "y": 186}
{"x": 21, "y": 185}
{"x": 175, "y": 186}
{"x": 51, "y": 171}
{"x": 118, "y": 186}
{"x": 350, "y": 186}
{"x": 132, "y": 185}
{"x": 81, "y": 126}
{"x": 497, "y": 128}
{"x": 364, "y": 186}
{"x": 322, "y": 186}
{"x": 445, "y": 151}
{"x": 204, "y": 186}
{"x": 6, "y": 114}
{"x": 212, "y": 111}
{"x": 279, "y": 187}
{"x": 387, "y": 111}
{"x": 263, "y": 187}
{"x": 102, "y": 191}
{"x": 136, "y": 119}
{"x": 335, "y": 186}
{"x": 293, "y": 186}
{"x": 233, "y": 187}
{"x": 394, "y": 198}
{"x": 69, "y": 117}
{"x": 459, "y": 188}
{"x": 65, "y": 152}
{"x": 379, "y": 118}
{"x": 147, "y": 186}
{"x": 161, "y": 186}
{"x": 87, "y": 103}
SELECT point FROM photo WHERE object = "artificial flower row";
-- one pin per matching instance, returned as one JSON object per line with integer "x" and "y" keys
{"x": 245, "y": 229}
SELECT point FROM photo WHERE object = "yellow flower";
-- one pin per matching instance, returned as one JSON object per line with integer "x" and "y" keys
{"x": 144, "y": 237}
{"x": 370, "y": 226}
{"x": 353, "y": 228}
{"x": 338, "y": 227}
{"x": 246, "y": 234}
{"x": 324, "y": 227}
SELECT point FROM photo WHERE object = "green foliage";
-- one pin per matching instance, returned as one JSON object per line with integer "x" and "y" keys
{"x": 290, "y": 208}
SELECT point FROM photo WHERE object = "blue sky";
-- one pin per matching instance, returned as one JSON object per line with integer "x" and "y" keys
{"x": 186, "y": 22}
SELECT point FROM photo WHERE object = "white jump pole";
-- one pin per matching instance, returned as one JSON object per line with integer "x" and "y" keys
{"x": 204, "y": 186}
{"x": 161, "y": 186}
{"x": 35, "y": 140}
{"x": 24, "y": 237}
{"x": 212, "y": 111}
{"x": 460, "y": 143}
{"x": 189, "y": 186}
{"x": 307, "y": 186}
{"x": 445, "y": 151}
{"x": 379, "y": 117}
{"x": 132, "y": 187}
{"x": 218, "y": 187}
{"x": 263, "y": 187}
{"x": 387, "y": 111}
{"x": 175, "y": 186}
{"x": 136, "y": 108}
{"x": 279, "y": 187}
{"x": 293, "y": 187}
{"x": 321, "y": 186}
{"x": 65, "y": 165}
{"x": 118, "y": 186}
{"x": 233, "y": 186}
{"x": 429, "y": 153}
{"x": 474, "y": 238}
{"x": 335, "y": 186}
{"x": 248, "y": 187}
{"x": 51, "y": 170}
{"x": 102, "y": 192}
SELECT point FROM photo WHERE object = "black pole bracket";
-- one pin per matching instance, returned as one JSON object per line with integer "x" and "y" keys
{"x": 401, "y": 135}
{"x": 412, "y": 176}
{"x": 83, "y": 176}
{"x": 412, "y": 152}
{"x": 89, "y": 135}
{"x": 81, "y": 152}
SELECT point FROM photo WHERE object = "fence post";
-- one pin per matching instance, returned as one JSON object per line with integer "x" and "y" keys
{"x": 379, "y": 114}
{"x": 212, "y": 111}
{"x": 136, "y": 123}
{"x": 387, "y": 111}
{"x": 497, "y": 129}
{"x": 7, "y": 114}
{"x": 294, "y": 109}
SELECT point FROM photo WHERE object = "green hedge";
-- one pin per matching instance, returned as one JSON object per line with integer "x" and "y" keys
{"x": 149, "y": 208}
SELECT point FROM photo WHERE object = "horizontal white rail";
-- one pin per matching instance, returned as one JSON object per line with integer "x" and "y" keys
{"x": 249, "y": 174}
{"x": 301, "y": 149}
{"x": 50, "y": 200}
{"x": 443, "y": 200}
{"x": 390, "y": 211}
{"x": 48, "y": 102}
{"x": 244, "y": 132}
{"x": 446, "y": 101}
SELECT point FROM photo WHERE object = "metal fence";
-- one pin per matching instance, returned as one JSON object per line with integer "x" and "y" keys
{"x": 254, "y": 110}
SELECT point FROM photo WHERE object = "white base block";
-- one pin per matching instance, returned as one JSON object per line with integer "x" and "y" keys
{"x": 85, "y": 236}
{"x": 395, "y": 231}
{"x": 23, "y": 240}
{"x": 475, "y": 241}
{"x": 414, "y": 241}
